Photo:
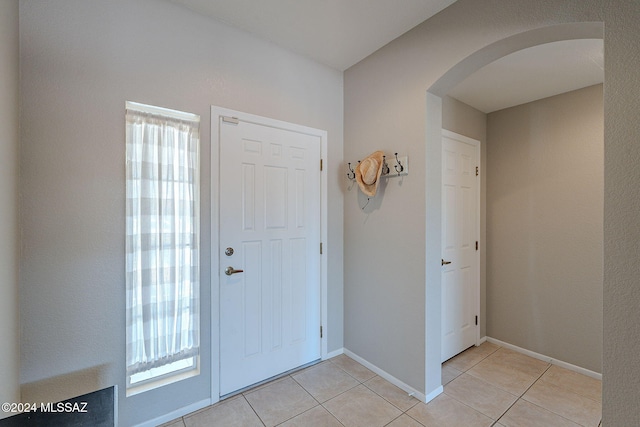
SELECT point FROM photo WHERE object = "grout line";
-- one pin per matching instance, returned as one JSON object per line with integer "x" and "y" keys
{"x": 518, "y": 397}
{"x": 528, "y": 388}
{"x": 546, "y": 409}
{"x": 478, "y": 362}
{"x": 537, "y": 379}
{"x": 322, "y": 403}
{"x": 551, "y": 412}
{"x": 363, "y": 383}
{"x": 306, "y": 391}
{"x": 303, "y": 412}
{"x": 254, "y": 411}
{"x": 394, "y": 419}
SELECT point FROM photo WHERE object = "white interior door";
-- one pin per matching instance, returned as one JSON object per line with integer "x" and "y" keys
{"x": 270, "y": 218}
{"x": 460, "y": 256}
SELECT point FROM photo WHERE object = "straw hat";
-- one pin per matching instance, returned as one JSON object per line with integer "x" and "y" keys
{"x": 368, "y": 173}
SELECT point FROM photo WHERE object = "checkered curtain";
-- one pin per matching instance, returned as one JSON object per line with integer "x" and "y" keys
{"x": 162, "y": 243}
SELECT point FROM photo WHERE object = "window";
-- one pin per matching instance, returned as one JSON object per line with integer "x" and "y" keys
{"x": 162, "y": 246}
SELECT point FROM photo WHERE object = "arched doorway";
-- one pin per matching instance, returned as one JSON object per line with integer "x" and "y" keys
{"x": 440, "y": 88}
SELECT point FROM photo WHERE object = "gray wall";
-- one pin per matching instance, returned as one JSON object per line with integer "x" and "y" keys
{"x": 9, "y": 332}
{"x": 81, "y": 60}
{"x": 621, "y": 317}
{"x": 544, "y": 226}
{"x": 385, "y": 107}
{"x": 465, "y": 120}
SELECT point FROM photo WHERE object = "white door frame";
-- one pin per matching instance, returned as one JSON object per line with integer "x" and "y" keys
{"x": 216, "y": 113}
{"x": 476, "y": 144}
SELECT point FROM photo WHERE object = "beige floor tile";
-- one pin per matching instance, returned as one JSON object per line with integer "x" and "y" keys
{"x": 447, "y": 411}
{"x": 525, "y": 414}
{"x": 353, "y": 368}
{"x": 263, "y": 385}
{"x": 472, "y": 356}
{"x": 325, "y": 381}
{"x": 520, "y": 362}
{"x": 392, "y": 394}
{"x": 481, "y": 396}
{"x": 232, "y": 412}
{"x": 404, "y": 421}
{"x": 449, "y": 374}
{"x": 502, "y": 375}
{"x": 174, "y": 423}
{"x": 280, "y": 401}
{"x": 577, "y": 408}
{"x": 480, "y": 384}
{"x": 575, "y": 382}
{"x": 323, "y": 362}
{"x": 360, "y": 407}
{"x": 316, "y": 417}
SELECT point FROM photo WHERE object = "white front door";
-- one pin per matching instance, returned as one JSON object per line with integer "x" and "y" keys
{"x": 269, "y": 229}
{"x": 460, "y": 259}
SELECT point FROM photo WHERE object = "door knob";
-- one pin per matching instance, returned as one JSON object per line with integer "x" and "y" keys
{"x": 230, "y": 270}
{"x": 445, "y": 262}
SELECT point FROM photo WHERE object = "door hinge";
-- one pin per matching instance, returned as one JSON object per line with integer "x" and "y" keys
{"x": 320, "y": 331}
{"x": 320, "y": 248}
{"x": 320, "y": 165}
{"x": 476, "y": 245}
{"x": 476, "y": 320}
{"x": 232, "y": 120}
{"x": 477, "y": 171}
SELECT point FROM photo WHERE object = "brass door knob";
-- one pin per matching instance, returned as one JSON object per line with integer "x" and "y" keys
{"x": 230, "y": 270}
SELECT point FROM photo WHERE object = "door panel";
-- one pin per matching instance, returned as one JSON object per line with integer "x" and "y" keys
{"x": 460, "y": 278}
{"x": 270, "y": 215}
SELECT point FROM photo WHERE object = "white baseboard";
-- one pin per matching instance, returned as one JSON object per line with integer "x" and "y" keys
{"x": 435, "y": 393}
{"x": 176, "y": 414}
{"x": 548, "y": 359}
{"x": 393, "y": 380}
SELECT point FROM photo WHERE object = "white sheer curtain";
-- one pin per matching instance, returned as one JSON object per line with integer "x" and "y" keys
{"x": 162, "y": 237}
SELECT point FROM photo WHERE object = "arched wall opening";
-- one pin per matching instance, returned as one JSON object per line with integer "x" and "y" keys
{"x": 433, "y": 170}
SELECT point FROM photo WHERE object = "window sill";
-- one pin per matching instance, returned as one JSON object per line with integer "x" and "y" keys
{"x": 164, "y": 380}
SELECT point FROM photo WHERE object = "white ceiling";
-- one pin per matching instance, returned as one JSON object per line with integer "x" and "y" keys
{"x": 337, "y": 33}
{"x": 340, "y": 33}
{"x": 534, "y": 73}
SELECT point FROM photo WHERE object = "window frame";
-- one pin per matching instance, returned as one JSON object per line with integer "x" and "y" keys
{"x": 172, "y": 371}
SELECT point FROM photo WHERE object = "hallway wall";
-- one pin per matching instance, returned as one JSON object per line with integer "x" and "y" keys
{"x": 544, "y": 226}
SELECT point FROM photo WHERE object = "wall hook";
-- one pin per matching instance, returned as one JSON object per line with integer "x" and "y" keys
{"x": 385, "y": 166}
{"x": 351, "y": 174}
{"x": 398, "y": 167}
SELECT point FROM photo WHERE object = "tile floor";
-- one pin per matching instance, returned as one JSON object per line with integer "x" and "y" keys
{"x": 483, "y": 386}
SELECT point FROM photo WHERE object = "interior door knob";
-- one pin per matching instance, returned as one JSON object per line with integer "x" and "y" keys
{"x": 230, "y": 270}
{"x": 445, "y": 262}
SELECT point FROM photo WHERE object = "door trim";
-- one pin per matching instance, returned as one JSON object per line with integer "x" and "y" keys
{"x": 216, "y": 113}
{"x": 476, "y": 144}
